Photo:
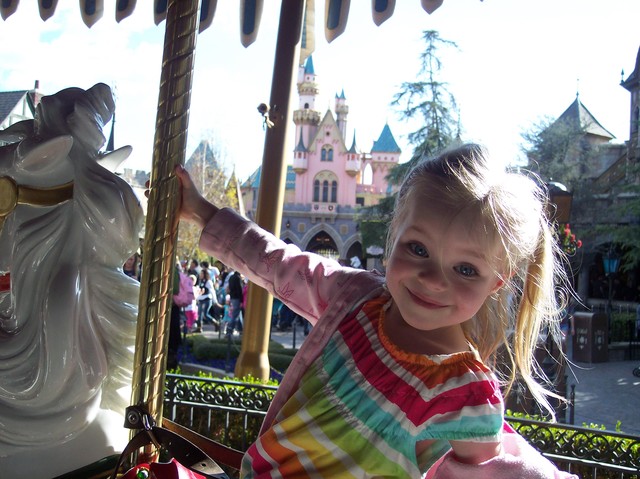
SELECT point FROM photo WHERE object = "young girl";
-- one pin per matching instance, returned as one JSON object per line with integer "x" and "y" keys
{"x": 191, "y": 310}
{"x": 396, "y": 370}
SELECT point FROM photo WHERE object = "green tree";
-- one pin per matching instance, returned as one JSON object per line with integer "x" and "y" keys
{"x": 206, "y": 165}
{"x": 625, "y": 232}
{"x": 428, "y": 101}
{"x": 558, "y": 151}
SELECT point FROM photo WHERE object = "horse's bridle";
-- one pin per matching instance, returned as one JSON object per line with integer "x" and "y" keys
{"x": 12, "y": 195}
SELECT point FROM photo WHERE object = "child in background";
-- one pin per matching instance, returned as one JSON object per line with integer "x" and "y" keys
{"x": 191, "y": 310}
{"x": 226, "y": 316}
{"x": 397, "y": 369}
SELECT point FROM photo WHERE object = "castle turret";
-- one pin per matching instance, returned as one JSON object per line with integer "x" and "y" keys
{"x": 306, "y": 118}
{"x": 632, "y": 84}
{"x": 353, "y": 163}
{"x": 342, "y": 110}
{"x": 385, "y": 154}
{"x": 300, "y": 157}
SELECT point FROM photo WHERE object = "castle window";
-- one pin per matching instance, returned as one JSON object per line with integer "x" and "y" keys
{"x": 306, "y": 106}
{"x": 325, "y": 187}
{"x": 326, "y": 154}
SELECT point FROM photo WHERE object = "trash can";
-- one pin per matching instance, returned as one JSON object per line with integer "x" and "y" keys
{"x": 591, "y": 341}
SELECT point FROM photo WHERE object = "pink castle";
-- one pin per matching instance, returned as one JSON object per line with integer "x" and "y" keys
{"x": 327, "y": 182}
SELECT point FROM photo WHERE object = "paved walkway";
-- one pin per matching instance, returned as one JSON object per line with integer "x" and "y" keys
{"x": 605, "y": 392}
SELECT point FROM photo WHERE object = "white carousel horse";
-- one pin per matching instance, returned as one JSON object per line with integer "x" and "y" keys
{"x": 67, "y": 310}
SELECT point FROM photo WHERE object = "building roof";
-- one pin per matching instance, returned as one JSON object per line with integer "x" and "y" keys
{"x": 354, "y": 148}
{"x": 300, "y": 146}
{"x": 254, "y": 179}
{"x": 634, "y": 79}
{"x": 578, "y": 115}
{"x": 308, "y": 67}
{"x": 386, "y": 143}
{"x": 202, "y": 153}
{"x": 8, "y": 101}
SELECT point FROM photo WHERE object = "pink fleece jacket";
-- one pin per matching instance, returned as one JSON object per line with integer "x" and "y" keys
{"x": 324, "y": 292}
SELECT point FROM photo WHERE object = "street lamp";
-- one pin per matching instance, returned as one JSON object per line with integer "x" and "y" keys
{"x": 611, "y": 263}
{"x": 560, "y": 202}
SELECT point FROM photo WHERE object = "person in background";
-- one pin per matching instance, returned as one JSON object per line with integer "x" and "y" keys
{"x": 175, "y": 339}
{"x": 235, "y": 294}
{"x": 191, "y": 310}
{"x": 194, "y": 268}
{"x": 395, "y": 379}
{"x": 132, "y": 266}
{"x": 205, "y": 300}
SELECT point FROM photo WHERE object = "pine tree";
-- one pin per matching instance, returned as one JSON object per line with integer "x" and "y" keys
{"x": 427, "y": 100}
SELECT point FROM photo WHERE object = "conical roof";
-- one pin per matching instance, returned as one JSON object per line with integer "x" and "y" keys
{"x": 386, "y": 143}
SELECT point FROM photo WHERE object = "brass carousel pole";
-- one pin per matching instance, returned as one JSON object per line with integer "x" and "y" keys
{"x": 253, "y": 359}
{"x": 161, "y": 225}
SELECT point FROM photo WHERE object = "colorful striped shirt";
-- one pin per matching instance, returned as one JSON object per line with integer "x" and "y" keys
{"x": 363, "y": 406}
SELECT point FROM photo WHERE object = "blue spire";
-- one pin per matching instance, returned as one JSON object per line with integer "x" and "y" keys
{"x": 353, "y": 148}
{"x": 300, "y": 146}
{"x": 386, "y": 143}
{"x": 308, "y": 68}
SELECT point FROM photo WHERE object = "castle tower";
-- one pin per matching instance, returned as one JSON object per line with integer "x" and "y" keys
{"x": 385, "y": 153}
{"x": 632, "y": 84}
{"x": 306, "y": 118}
{"x": 353, "y": 164}
{"x": 300, "y": 157}
{"x": 342, "y": 110}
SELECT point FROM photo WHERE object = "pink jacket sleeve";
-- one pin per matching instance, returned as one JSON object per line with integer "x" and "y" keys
{"x": 518, "y": 459}
{"x": 307, "y": 282}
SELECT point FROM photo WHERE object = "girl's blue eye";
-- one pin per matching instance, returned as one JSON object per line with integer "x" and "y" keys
{"x": 418, "y": 250}
{"x": 466, "y": 270}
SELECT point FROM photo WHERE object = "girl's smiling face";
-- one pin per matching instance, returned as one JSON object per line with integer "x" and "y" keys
{"x": 439, "y": 272}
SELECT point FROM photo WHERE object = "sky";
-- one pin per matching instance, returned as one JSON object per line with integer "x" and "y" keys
{"x": 517, "y": 62}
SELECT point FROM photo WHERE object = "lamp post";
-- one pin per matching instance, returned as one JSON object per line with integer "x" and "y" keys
{"x": 560, "y": 202}
{"x": 611, "y": 263}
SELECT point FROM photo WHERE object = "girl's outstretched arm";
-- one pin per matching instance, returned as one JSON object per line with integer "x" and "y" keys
{"x": 475, "y": 452}
{"x": 194, "y": 207}
{"x": 517, "y": 458}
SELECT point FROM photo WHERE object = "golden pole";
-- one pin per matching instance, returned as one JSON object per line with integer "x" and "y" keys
{"x": 158, "y": 261}
{"x": 253, "y": 359}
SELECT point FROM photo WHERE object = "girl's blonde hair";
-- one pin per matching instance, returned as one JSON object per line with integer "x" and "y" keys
{"x": 510, "y": 211}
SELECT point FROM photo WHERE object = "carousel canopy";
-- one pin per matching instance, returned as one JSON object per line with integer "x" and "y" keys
{"x": 336, "y": 13}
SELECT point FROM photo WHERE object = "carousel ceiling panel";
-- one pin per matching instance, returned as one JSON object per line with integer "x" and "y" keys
{"x": 336, "y": 13}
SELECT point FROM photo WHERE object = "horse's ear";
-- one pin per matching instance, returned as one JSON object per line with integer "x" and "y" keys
{"x": 45, "y": 158}
{"x": 17, "y": 132}
{"x": 114, "y": 158}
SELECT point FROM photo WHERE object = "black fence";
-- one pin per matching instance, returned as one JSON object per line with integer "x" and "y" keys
{"x": 231, "y": 412}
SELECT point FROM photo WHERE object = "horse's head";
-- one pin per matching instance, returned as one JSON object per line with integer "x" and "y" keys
{"x": 67, "y": 312}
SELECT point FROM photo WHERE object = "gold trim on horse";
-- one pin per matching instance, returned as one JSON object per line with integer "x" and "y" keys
{"x": 12, "y": 195}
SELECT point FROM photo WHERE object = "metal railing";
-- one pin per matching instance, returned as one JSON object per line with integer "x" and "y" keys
{"x": 231, "y": 412}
